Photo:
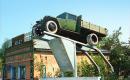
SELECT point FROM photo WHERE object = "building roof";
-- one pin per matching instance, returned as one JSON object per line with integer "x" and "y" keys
{"x": 41, "y": 45}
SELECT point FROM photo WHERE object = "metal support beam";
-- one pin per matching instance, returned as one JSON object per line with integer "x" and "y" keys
{"x": 77, "y": 42}
{"x": 64, "y": 52}
{"x": 91, "y": 59}
{"x": 75, "y": 62}
{"x": 101, "y": 54}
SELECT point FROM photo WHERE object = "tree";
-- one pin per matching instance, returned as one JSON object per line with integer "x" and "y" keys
{"x": 119, "y": 53}
{"x": 129, "y": 40}
{"x": 40, "y": 67}
{"x": 1, "y": 59}
{"x": 111, "y": 41}
{"x": 86, "y": 69}
{"x": 2, "y": 54}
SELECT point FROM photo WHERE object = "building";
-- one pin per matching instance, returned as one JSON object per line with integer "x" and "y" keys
{"x": 24, "y": 57}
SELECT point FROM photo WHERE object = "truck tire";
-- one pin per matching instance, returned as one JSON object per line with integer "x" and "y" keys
{"x": 37, "y": 31}
{"x": 51, "y": 26}
{"x": 92, "y": 39}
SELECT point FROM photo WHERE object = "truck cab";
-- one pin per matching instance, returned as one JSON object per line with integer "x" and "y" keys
{"x": 68, "y": 21}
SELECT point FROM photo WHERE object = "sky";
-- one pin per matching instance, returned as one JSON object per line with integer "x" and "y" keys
{"x": 18, "y": 16}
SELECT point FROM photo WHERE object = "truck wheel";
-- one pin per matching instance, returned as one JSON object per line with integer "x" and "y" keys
{"x": 37, "y": 31}
{"x": 51, "y": 26}
{"x": 92, "y": 39}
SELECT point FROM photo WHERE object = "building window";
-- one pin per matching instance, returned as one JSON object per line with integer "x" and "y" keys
{"x": 15, "y": 72}
{"x": 8, "y": 68}
{"x": 18, "y": 42}
{"x": 45, "y": 57}
{"x": 23, "y": 72}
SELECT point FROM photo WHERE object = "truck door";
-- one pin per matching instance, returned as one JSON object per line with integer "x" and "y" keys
{"x": 71, "y": 22}
{"x": 67, "y": 24}
{"x": 71, "y": 25}
{"x": 62, "y": 23}
{"x": 67, "y": 21}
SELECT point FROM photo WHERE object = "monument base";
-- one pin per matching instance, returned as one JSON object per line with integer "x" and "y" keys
{"x": 74, "y": 78}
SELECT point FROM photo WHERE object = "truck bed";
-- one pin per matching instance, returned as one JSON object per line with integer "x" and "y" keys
{"x": 95, "y": 28}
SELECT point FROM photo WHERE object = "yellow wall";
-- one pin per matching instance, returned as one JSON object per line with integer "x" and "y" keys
{"x": 47, "y": 58}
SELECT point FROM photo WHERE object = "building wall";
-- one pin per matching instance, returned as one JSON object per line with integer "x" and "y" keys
{"x": 16, "y": 57}
{"x": 40, "y": 57}
{"x": 16, "y": 61}
{"x": 20, "y": 53}
{"x": 48, "y": 59}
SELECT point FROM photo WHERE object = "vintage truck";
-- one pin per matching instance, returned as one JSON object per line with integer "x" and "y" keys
{"x": 71, "y": 26}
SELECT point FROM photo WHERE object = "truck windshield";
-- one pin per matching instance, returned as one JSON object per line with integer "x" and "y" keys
{"x": 67, "y": 16}
{"x": 73, "y": 17}
{"x": 63, "y": 16}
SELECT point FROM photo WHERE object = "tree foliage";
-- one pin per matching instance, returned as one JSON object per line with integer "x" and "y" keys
{"x": 39, "y": 66}
{"x": 119, "y": 57}
{"x": 2, "y": 54}
{"x": 86, "y": 69}
{"x": 89, "y": 70}
{"x": 111, "y": 41}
